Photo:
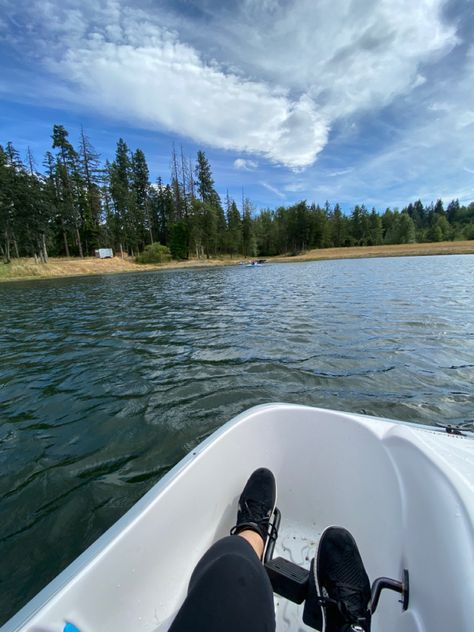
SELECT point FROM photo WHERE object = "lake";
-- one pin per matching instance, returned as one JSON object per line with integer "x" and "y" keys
{"x": 106, "y": 382}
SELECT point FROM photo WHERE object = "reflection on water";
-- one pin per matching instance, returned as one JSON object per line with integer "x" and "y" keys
{"x": 106, "y": 382}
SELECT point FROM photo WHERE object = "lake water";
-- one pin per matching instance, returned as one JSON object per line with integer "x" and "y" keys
{"x": 106, "y": 382}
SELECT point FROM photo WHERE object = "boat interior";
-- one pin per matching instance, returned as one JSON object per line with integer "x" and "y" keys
{"x": 403, "y": 491}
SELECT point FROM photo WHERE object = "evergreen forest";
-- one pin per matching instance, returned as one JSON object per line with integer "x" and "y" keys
{"x": 76, "y": 203}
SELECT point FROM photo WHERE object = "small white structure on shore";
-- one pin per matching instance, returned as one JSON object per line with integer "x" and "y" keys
{"x": 104, "y": 253}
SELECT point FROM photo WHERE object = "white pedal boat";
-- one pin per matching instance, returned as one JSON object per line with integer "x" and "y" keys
{"x": 406, "y": 493}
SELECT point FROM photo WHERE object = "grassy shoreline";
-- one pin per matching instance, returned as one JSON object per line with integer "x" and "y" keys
{"x": 62, "y": 267}
{"x": 395, "y": 250}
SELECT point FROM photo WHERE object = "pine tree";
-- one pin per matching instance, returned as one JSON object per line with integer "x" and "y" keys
{"x": 196, "y": 223}
{"x": 141, "y": 189}
{"x": 265, "y": 229}
{"x": 110, "y": 229}
{"x": 37, "y": 216}
{"x": 70, "y": 186}
{"x": 209, "y": 228}
{"x": 209, "y": 219}
{"x": 439, "y": 208}
{"x": 338, "y": 227}
{"x": 453, "y": 211}
{"x": 234, "y": 228}
{"x": 91, "y": 178}
{"x": 204, "y": 180}
{"x": 360, "y": 225}
{"x": 177, "y": 187}
{"x": 125, "y": 229}
{"x": 406, "y": 229}
{"x": 320, "y": 235}
{"x": 375, "y": 229}
{"x": 53, "y": 202}
{"x": 249, "y": 243}
{"x": 163, "y": 212}
{"x": 6, "y": 206}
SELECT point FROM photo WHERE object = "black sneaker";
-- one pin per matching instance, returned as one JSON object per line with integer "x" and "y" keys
{"x": 342, "y": 583}
{"x": 257, "y": 504}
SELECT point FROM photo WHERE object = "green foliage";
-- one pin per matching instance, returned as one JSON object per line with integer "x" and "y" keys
{"x": 360, "y": 225}
{"x": 179, "y": 241}
{"x": 469, "y": 231}
{"x": 249, "y": 245}
{"x": 78, "y": 204}
{"x": 233, "y": 241}
{"x": 207, "y": 224}
{"x": 436, "y": 234}
{"x": 205, "y": 183}
{"x": 440, "y": 229}
{"x": 154, "y": 253}
{"x": 338, "y": 227}
{"x": 375, "y": 229}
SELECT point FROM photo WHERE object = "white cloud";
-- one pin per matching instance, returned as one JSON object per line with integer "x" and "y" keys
{"x": 245, "y": 165}
{"x": 166, "y": 86}
{"x": 346, "y": 56}
{"x": 273, "y": 189}
{"x": 429, "y": 156}
{"x": 123, "y": 63}
{"x": 296, "y": 67}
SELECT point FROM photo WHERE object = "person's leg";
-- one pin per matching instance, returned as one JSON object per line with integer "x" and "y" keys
{"x": 229, "y": 590}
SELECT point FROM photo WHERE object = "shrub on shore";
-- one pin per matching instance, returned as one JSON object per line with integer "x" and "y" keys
{"x": 154, "y": 253}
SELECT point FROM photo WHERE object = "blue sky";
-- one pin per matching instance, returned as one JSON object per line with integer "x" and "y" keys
{"x": 352, "y": 102}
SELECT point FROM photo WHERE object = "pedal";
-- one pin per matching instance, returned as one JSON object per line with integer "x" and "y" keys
{"x": 288, "y": 579}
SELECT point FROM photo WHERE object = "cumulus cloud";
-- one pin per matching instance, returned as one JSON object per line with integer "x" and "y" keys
{"x": 346, "y": 56}
{"x": 270, "y": 81}
{"x": 123, "y": 63}
{"x": 245, "y": 165}
{"x": 430, "y": 158}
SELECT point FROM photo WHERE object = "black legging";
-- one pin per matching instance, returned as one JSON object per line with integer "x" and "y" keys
{"x": 229, "y": 590}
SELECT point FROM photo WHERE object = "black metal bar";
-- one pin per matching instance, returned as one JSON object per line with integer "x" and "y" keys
{"x": 272, "y": 538}
{"x": 391, "y": 584}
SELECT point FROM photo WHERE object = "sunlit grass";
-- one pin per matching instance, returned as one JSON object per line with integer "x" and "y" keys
{"x": 395, "y": 250}
{"x": 23, "y": 269}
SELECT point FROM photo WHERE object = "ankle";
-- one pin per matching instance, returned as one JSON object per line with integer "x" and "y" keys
{"x": 255, "y": 540}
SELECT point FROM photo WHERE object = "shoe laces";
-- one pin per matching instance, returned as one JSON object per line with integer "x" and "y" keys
{"x": 344, "y": 592}
{"x": 253, "y": 514}
{"x": 253, "y": 509}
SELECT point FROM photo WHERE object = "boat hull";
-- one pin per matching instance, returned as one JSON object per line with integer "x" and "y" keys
{"x": 404, "y": 491}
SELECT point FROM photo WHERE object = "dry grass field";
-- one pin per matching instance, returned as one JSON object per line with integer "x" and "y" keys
{"x": 397, "y": 250}
{"x": 27, "y": 269}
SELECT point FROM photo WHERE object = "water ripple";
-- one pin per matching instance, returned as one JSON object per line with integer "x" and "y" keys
{"x": 106, "y": 382}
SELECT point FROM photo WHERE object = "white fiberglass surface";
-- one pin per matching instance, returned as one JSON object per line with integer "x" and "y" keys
{"x": 331, "y": 469}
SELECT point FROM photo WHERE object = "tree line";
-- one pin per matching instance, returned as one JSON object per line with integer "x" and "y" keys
{"x": 76, "y": 204}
